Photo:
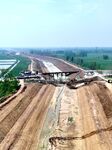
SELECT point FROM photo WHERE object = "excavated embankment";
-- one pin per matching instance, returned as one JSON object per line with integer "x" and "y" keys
{"x": 22, "y": 119}
{"x": 90, "y": 108}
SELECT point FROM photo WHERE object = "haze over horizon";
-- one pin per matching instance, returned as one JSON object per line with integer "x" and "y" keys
{"x": 56, "y": 23}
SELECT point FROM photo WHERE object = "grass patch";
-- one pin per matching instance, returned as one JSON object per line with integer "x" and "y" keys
{"x": 70, "y": 119}
{"x": 21, "y": 66}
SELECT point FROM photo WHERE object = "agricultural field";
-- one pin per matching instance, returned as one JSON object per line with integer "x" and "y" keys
{"x": 22, "y": 64}
{"x": 88, "y": 58}
{"x": 5, "y": 55}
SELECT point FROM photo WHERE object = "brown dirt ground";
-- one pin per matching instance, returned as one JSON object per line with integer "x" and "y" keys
{"x": 90, "y": 108}
{"x": 22, "y": 119}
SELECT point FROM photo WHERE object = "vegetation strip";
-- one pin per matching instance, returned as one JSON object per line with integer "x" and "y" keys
{"x": 7, "y": 87}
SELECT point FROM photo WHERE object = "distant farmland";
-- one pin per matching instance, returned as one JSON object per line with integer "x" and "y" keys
{"x": 22, "y": 65}
{"x": 99, "y": 60}
{"x": 88, "y": 58}
{"x": 5, "y": 64}
{"x": 7, "y": 60}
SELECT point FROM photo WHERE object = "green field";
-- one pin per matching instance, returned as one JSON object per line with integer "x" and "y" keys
{"x": 88, "y": 58}
{"x": 95, "y": 61}
{"x": 21, "y": 66}
{"x": 4, "y": 55}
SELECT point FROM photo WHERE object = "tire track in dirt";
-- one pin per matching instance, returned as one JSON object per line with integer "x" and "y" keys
{"x": 52, "y": 140}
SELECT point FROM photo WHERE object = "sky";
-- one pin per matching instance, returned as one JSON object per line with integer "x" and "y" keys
{"x": 55, "y": 23}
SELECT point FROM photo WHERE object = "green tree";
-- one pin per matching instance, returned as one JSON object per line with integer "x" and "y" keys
{"x": 72, "y": 59}
{"x": 67, "y": 58}
{"x": 105, "y": 57}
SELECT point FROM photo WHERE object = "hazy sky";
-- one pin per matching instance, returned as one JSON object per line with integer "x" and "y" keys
{"x": 50, "y": 23}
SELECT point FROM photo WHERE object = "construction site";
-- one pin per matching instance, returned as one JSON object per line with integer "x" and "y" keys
{"x": 59, "y": 106}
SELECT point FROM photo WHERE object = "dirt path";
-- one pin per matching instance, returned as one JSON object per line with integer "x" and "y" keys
{"x": 52, "y": 118}
{"x": 37, "y": 65}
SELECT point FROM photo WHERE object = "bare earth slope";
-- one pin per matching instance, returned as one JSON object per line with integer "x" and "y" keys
{"x": 81, "y": 118}
{"x": 21, "y": 120}
{"x": 84, "y": 119}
